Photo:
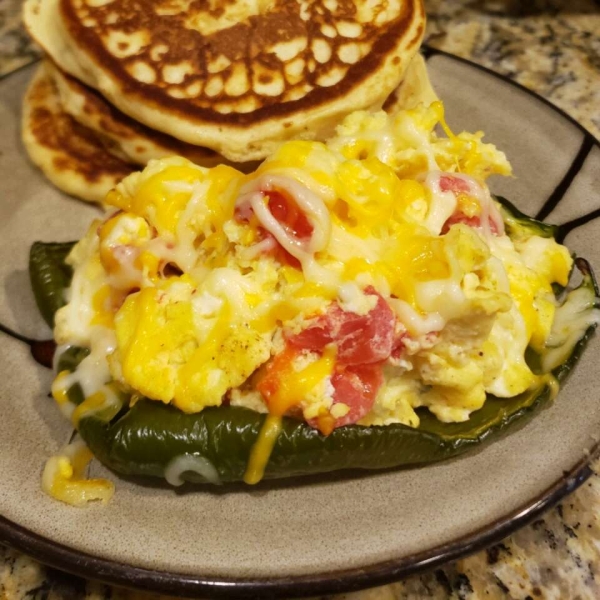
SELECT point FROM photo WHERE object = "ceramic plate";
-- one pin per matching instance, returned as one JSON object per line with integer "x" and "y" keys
{"x": 301, "y": 537}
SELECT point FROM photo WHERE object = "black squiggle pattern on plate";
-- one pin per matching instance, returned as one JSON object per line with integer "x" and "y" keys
{"x": 561, "y": 189}
{"x": 566, "y": 228}
{"x": 17, "y": 336}
{"x": 41, "y": 350}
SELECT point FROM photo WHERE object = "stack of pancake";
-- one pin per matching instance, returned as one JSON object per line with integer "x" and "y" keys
{"x": 126, "y": 81}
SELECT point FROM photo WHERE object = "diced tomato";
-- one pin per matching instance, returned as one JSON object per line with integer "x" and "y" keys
{"x": 363, "y": 343}
{"x": 278, "y": 251}
{"x": 360, "y": 339}
{"x": 475, "y": 222}
{"x": 461, "y": 218}
{"x": 357, "y": 388}
{"x": 271, "y": 376}
{"x": 283, "y": 256}
{"x": 398, "y": 346}
{"x": 457, "y": 185}
{"x": 449, "y": 183}
{"x": 287, "y": 212}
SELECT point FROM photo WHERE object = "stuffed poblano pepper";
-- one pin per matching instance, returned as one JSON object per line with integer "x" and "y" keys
{"x": 361, "y": 303}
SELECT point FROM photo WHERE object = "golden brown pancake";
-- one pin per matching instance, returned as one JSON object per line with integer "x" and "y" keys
{"x": 70, "y": 155}
{"x": 237, "y": 76}
{"x": 415, "y": 88}
{"x": 121, "y": 135}
{"x": 135, "y": 143}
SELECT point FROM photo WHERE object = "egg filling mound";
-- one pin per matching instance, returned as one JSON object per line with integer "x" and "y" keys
{"x": 347, "y": 282}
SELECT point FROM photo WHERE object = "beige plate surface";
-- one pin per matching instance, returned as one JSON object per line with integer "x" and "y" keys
{"x": 300, "y": 529}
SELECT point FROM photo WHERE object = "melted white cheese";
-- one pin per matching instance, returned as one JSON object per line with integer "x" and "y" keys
{"x": 308, "y": 202}
{"x": 441, "y": 205}
{"x": 354, "y": 300}
{"x": 190, "y": 463}
{"x": 416, "y": 324}
{"x": 93, "y": 371}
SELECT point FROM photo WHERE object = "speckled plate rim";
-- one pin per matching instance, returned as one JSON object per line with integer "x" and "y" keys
{"x": 86, "y": 565}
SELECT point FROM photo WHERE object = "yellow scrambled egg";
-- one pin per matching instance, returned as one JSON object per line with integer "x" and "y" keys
{"x": 196, "y": 277}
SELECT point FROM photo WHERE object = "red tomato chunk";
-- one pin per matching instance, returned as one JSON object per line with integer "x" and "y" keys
{"x": 360, "y": 339}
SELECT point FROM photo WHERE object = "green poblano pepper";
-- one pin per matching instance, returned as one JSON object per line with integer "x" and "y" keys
{"x": 146, "y": 438}
{"x": 50, "y": 276}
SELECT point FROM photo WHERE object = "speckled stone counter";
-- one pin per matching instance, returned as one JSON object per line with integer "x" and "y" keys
{"x": 16, "y": 49}
{"x": 552, "y": 47}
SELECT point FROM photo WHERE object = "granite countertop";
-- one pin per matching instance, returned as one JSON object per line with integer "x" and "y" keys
{"x": 553, "y": 48}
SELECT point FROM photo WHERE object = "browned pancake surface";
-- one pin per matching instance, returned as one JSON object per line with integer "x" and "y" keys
{"x": 240, "y": 62}
{"x": 70, "y": 155}
{"x": 76, "y": 147}
{"x": 114, "y": 123}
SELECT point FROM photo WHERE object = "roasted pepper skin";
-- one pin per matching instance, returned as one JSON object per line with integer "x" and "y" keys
{"x": 513, "y": 216}
{"x": 149, "y": 435}
{"x": 50, "y": 276}
{"x": 143, "y": 439}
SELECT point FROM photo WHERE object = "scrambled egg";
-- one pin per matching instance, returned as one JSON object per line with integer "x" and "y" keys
{"x": 201, "y": 285}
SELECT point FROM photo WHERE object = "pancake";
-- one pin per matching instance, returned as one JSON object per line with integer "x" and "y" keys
{"x": 121, "y": 135}
{"x": 237, "y": 76}
{"x": 415, "y": 88}
{"x": 70, "y": 155}
{"x": 135, "y": 143}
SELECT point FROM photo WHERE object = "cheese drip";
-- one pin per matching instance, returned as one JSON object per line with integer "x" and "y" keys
{"x": 64, "y": 478}
{"x": 295, "y": 385}
{"x": 262, "y": 449}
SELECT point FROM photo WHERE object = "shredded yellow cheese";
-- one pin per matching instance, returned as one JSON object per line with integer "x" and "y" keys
{"x": 262, "y": 448}
{"x": 64, "y": 478}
